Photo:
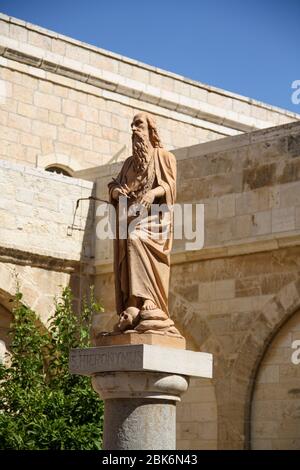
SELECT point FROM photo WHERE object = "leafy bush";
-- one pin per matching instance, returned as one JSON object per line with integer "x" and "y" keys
{"x": 42, "y": 406}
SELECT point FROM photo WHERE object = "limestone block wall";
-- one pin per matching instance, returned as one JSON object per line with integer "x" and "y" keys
{"x": 232, "y": 296}
{"x": 248, "y": 185}
{"x": 236, "y": 325}
{"x": 68, "y": 103}
{"x": 51, "y": 120}
{"x": 37, "y": 209}
{"x": 197, "y": 413}
{"x": 38, "y": 245}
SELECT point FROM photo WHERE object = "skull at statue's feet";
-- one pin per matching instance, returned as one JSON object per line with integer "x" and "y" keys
{"x": 128, "y": 319}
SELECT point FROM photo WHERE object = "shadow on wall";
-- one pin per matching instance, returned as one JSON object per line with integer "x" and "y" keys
{"x": 82, "y": 277}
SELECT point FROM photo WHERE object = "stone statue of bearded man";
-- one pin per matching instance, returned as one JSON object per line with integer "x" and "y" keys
{"x": 142, "y": 263}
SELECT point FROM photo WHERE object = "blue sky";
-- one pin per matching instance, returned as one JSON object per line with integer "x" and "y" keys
{"x": 250, "y": 47}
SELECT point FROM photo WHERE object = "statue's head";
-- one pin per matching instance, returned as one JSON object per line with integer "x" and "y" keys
{"x": 144, "y": 139}
{"x": 144, "y": 126}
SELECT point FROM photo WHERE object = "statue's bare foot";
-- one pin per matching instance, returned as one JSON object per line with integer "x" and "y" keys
{"x": 149, "y": 305}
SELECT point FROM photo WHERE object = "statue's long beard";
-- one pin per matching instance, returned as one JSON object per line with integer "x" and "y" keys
{"x": 140, "y": 151}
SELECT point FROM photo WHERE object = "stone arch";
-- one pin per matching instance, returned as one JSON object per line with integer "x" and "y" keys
{"x": 9, "y": 277}
{"x": 275, "y": 400}
{"x": 234, "y": 428}
{"x": 188, "y": 321}
{"x": 8, "y": 284}
{"x": 61, "y": 160}
{"x": 38, "y": 286}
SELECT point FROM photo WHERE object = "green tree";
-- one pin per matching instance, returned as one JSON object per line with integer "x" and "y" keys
{"x": 42, "y": 406}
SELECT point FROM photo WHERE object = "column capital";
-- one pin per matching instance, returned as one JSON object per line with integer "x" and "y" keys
{"x": 154, "y": 385}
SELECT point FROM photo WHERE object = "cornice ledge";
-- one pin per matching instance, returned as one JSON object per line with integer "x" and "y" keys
{"x": 37, "y": 260}
{"x": 50, "y": 62}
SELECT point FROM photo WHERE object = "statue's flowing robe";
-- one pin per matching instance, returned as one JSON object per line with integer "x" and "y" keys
{"x": 142, "y": 265}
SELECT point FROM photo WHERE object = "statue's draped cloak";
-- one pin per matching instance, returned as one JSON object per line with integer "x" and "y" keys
{"x": 142, "y": 266}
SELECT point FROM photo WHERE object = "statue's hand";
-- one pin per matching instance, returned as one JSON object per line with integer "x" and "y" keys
{"x": 120, "y": 191}
{"x": 148, "y": 199}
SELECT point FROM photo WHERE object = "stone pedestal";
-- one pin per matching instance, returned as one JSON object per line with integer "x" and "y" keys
{"x": 128, "y": 337}
{"x": 140, "y": 385}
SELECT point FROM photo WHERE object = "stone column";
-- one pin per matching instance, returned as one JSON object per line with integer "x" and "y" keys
{"x": 140, "y": 385}
{"x": 137, "y": 405}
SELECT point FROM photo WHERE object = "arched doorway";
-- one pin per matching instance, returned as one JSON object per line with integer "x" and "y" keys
{"x": 275, "y": 412}
{"x": 236, "y": 390}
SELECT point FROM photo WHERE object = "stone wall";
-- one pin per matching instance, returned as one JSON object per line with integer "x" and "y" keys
{"x": 68, "y": 103}
{"x": 42, "y": 244}
{"x": 232, "y": 296}
{"x": 37, "y": 209}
